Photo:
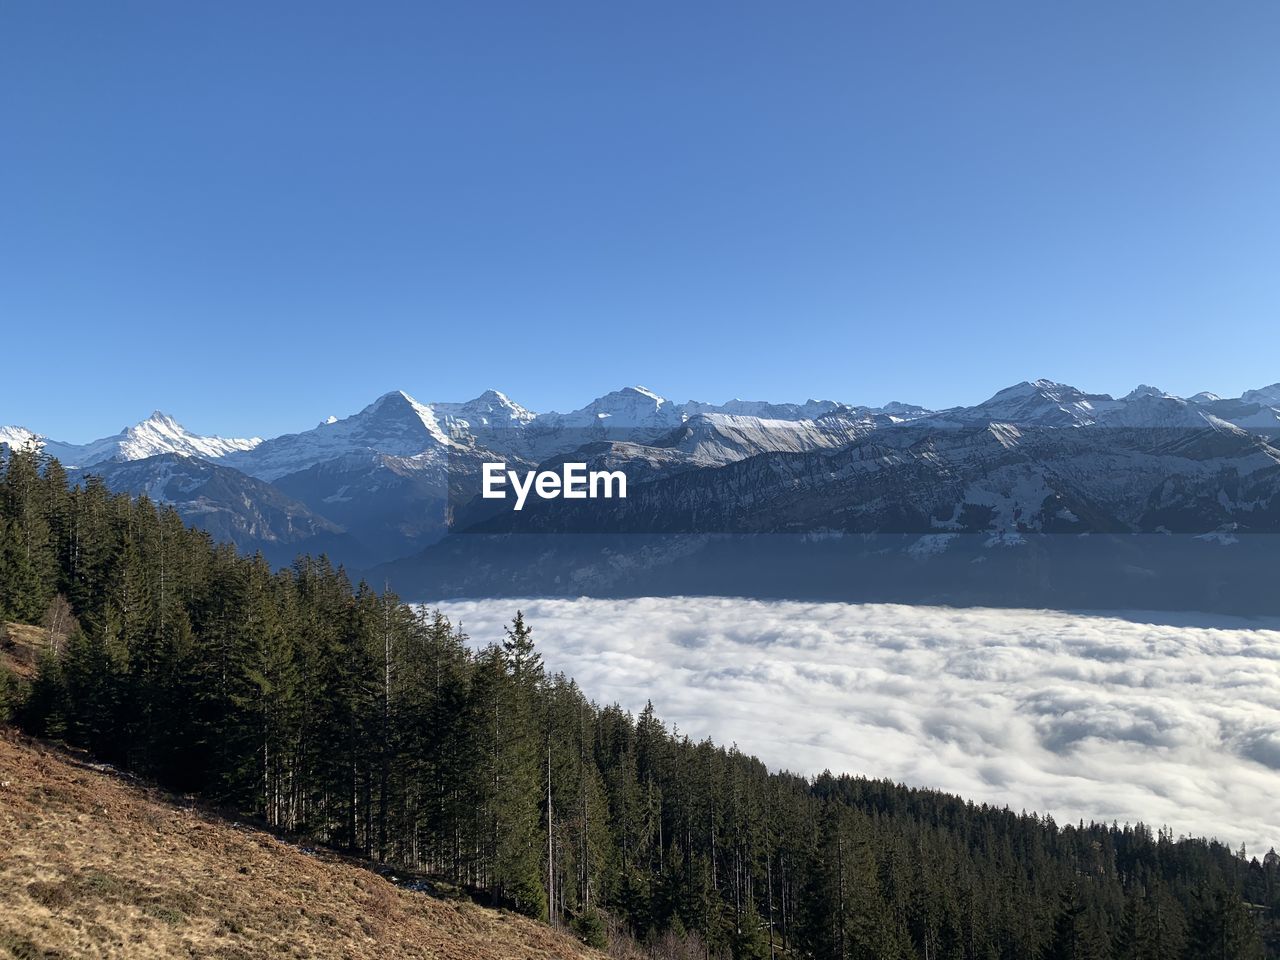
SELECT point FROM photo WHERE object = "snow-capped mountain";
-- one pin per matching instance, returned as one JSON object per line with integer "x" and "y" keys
{"x": 1046, "y": 403}
{"x": 158, "y": 434}
{"x": 994, "y": 513}
{"x": 1266, "y": 396}
{"x": 714, "y": 439}
{"x": 996, "y": 478}
{"x": 1144, "y": 390}
{"x": 1037, "y": 458}
{"x": 395, "y": 425}
{"x": 1160, "y": 411}
{"x": 629, "y": 414}
{"x": 18, "y": 437}
{"x": 629, "y": 408}
{"x": 1040, "y": 402}
{"x": 490, "y": 416}
{"x": 809, "y": 410}
{"x": 902, "y": 411}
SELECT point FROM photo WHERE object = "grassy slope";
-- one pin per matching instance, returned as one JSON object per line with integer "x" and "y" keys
{"x": 92, "y": 865}
{"x": 20, "y": 648}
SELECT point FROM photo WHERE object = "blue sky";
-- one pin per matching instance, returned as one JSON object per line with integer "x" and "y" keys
{"x": 254, "y": 215}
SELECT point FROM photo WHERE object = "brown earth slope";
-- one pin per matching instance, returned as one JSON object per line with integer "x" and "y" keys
{"x": 20, "y": 648}
{"x": 92, "y": 865}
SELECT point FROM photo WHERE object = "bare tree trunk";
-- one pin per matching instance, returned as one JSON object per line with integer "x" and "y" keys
{"x": 551, "y": 861}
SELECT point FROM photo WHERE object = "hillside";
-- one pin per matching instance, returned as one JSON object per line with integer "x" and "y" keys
{"x": 20, "y": 646}
{"x": 96, "y": 865}
{"x": 341, "y": 715}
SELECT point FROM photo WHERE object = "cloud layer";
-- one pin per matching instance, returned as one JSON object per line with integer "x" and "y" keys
{"x": 1080, "y": 716}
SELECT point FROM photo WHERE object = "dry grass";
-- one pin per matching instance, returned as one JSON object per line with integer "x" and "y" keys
{"x": 20, "y": 648}
{"x": 92, "y": 865}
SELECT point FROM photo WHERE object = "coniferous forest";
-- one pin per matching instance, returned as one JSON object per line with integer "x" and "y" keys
{"x": 336, "y": 713}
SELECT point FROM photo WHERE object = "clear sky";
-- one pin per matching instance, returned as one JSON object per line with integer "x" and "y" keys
{"x": 253, "y": 215}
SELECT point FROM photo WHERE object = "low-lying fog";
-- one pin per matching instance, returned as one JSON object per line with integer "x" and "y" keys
{"x": 1096, "y": 717}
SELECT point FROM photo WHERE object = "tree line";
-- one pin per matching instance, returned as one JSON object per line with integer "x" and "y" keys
{"x": 340, "y": 714}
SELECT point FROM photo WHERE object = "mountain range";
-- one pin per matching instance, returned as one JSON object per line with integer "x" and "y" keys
{"x": 391, "y": 490}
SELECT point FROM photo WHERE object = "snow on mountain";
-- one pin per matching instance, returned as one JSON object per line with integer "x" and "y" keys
{"x": 630, "y": 407}
{"x": 395, "y": 424}
{"x": 1144, "y": 390}
{"x": 1266, "y": 396}
{"x": 17, "y": 437}
{"x": 902, "y": 411}
{"x": 1264, "y": 419}
{"x": 158, "y": 434}
{"x": 639, "y": 418}
{"x": 809, "y": 410}
{"x": 1037, "y": 457}
{"x": 398, "y": 425}
{"x": 1160, "y": 411}
{"x": 763, "y": 409}
{"x": 1044, "y": 403}
{"x": 632, "y": 414}
{"x": 720, "y": 438}
{"x": 1038, "y": 402}
{"x": 996, "y": 479}
{"x": 1254, "y": 414}
{"x": 492, "y": 416}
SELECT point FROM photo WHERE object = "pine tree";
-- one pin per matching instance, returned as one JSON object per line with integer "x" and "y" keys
{"x": 357, "y": 721}
{"x": 1221, "y": 929}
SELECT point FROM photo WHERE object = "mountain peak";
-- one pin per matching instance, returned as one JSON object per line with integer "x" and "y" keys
{"x": 159, "y": 429}
{"x": 489, "y": 400}
{"x": 1042, "y": 402}
{"x": 160, "y": 433}
{"x": 905, "y": 411}
{"x": 1267, "y": 396}
{"x": 1032, "y": 388}
{"x": 399, "y": 412}
{"x": 1035, "y": 388}
{"x": 493, "y": 409}
{"x": 17, "y": 437}
{"x": 630, "y": 399}
{"x": 1144, "y": 390}
{"x": 395, "y": 398}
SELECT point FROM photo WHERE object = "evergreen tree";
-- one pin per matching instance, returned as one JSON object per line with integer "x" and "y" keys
{"x": 1221, "y": 928}
{"x": 360, "y": 722}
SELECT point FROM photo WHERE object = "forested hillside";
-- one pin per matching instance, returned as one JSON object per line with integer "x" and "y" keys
{"x": 341, "y": 714}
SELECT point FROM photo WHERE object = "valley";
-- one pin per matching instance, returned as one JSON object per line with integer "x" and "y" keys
{"x": 989, "y": 504}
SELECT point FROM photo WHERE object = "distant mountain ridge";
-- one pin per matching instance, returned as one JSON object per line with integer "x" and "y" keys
{"x": 399, "y": 425}
{"x": 157, "y": 434}
{"x": 1037, "y": 458}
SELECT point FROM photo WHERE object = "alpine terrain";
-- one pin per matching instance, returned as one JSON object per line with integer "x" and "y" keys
{"x": 1042, "y": 494}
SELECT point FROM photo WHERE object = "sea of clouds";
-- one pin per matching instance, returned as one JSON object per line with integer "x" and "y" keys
{"x": 1094, "y": 717}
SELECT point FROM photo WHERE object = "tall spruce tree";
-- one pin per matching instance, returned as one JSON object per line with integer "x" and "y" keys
{"x": 357, "y": 721}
